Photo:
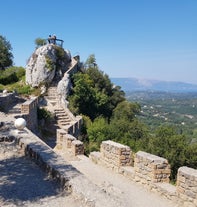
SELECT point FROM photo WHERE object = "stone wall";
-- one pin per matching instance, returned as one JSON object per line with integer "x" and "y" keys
{"x": 68, "y": 177}
{"x": 187, "y": 185}
{"x": 151, "y": 171}
{"x": 68, "y": 143}
{"x": 74, "y": 127}
{"x": 29, "y": 113}
{"x": 151, "y": 168}
{"x": 75, "y": 65}
{"x": 184, "y": 192}
{"x": 115, "y": 155}
{"x": 6, "y": 101}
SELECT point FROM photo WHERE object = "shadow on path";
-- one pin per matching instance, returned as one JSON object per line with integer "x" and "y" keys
{"x": 22, "y": 180}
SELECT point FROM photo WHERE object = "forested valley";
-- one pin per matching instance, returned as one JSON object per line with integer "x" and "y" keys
{"x": 163, "y": 124}
{"x": 159, "y": 123}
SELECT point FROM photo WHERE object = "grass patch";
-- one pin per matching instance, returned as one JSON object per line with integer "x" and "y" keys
{"x": 21, "y": 88}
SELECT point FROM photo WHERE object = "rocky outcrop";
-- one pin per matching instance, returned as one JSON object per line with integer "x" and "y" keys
{"x": 46, "y": 62}
{"x": 63, "y": 89}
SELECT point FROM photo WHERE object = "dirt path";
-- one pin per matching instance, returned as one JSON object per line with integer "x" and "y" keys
{"x": 24, "y": 184}
{"x": 125, "y": 191}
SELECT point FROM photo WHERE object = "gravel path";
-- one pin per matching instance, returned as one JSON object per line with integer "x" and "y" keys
{"x": 23, "y": 183}
{"x": 128, "y": 193}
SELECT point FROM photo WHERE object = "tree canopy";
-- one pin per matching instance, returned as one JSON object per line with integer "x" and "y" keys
{"x": 40, "y": 42}
{"x": 169, "y": 144}
{"x": 6, "y": 56}
{"x": 93, "y": 93}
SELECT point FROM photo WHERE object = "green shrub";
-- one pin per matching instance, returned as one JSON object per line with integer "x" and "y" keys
{"x": 59, "y": 52}
{"x": 49, "y": 63}
{"x": 24, "y": 90}
{"x": 11, "y": 75}
{"x": 43, "y": 114}
{"x": 21, "y": 88}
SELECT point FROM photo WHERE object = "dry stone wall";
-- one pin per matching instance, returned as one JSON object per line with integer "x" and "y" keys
{"x": 68, "y": 143}
{"x": 187, "y": 185}
{"x": 115, "y": 155}
{"x": 29, "y": 113}
{"x": 151, "y": 171}
{"x": 68, "y": 177}
{"x": 6, "y": 100}
{"x": 151, "y": 168}
{"x": 74, "y": 68}
{"x": 77, "y": 147}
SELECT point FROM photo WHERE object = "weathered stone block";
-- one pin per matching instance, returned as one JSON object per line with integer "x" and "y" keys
{"x": 185, "y": 184}
{"x": 115, "y": 154}
{"x": 155, "y": 168}
{"x": 77, "y": 147}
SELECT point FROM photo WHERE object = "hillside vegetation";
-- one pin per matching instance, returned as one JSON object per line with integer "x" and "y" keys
{"x": 108, "y": 115}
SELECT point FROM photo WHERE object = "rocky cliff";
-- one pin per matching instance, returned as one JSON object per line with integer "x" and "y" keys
{"x": 45, "y": 63}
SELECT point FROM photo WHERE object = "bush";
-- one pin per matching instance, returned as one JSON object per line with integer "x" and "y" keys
{"x": 11, "y": 75}
{"x": 43, "y": 114}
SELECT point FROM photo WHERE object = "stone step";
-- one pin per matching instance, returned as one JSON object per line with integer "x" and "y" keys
{"x": 53, "y": 102}
{"x": 52, "y": 94}
{"x": 63, "y": 118}
{"x": 64, "y": 124}
{"x": 52, "y": 97}
{"x": 60, "y": 109}
{"x": 50, "y": 90}
{"x": 61, "y": 114}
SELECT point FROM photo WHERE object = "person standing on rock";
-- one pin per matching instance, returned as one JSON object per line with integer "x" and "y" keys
{"x": 49, "y": 39}
{"x": 54, "y": 39}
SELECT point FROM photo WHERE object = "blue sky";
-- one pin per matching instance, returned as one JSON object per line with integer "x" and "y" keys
{"x": 148, "y": 39}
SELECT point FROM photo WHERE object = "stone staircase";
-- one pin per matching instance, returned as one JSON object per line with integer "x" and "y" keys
{"x": 52, "y": 96}
{"x": 65, "y": 119}
{"x": 62, "y": 117}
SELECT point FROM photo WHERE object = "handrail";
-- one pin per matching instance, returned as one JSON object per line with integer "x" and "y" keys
{"x": 55, "y": 41}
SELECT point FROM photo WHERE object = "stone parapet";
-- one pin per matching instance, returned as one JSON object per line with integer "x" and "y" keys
{"x": 29, "y": 113}
{"x": 68, "y": 177}
{"x": 6, "y": 101}
{"x": 187, "y": 185}
{"x": 74, "y": 68}
{"x": 60, "y": 138}
{"x": 151, "y": 171}
{"x": 151, "y": 168}
{"x": 77, "y": 147}
{"x": 68, "y": 143}
{"x": 115, "y": 155}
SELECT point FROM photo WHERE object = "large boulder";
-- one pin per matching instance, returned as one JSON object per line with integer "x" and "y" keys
{"x": 63, "y": 89}
{"x": 45, "y": 63}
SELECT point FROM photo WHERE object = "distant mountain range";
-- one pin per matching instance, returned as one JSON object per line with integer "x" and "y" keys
{"x": 134, "y": 84}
